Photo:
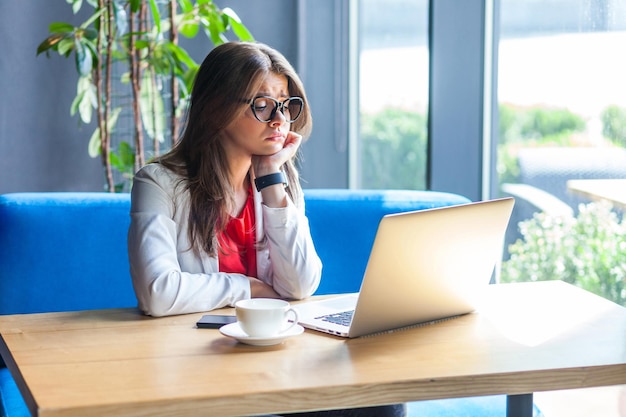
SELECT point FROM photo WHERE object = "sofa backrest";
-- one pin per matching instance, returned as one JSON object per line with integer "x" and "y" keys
{"x": 67, "y": 251}
{"x": 64, "y": 252}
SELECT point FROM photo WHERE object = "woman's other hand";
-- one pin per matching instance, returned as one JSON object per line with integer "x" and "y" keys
{"x": 259, "y": 289}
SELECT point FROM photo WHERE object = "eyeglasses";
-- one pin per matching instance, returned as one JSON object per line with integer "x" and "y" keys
{"x": 265, "y": 108}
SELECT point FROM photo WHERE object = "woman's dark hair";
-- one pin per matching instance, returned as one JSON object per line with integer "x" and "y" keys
{"x": 230, "y": 74}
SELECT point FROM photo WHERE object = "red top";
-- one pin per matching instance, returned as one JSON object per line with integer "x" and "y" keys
{"x": 238, "y": 252}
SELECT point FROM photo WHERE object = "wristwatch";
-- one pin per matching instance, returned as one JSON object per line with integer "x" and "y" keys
{"x": 271, "y": 179}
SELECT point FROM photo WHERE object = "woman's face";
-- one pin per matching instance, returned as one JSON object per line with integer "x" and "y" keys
{"x": 247, "y": 136}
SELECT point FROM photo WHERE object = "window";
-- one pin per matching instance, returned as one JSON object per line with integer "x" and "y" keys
{"x": 562, "y": 113}
{"x": 391, "y": 148}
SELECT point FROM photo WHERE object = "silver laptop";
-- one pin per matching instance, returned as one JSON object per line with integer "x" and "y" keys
{"x": 424, "y": 266}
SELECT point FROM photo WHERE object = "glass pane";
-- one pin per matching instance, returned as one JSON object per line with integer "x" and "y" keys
{"x": 393, "y": 94}
{"x": 562, "y": 113}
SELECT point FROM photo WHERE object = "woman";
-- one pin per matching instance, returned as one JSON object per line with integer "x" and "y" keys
{"x": 220, "y": 217}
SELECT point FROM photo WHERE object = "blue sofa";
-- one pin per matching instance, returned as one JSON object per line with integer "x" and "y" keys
{"x": 67, "y": 251}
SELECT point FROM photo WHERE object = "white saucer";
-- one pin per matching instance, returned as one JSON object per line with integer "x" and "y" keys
{"x": 233, "y": 330}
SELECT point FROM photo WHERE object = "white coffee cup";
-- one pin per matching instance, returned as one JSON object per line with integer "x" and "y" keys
{"x": 265, "y": 317}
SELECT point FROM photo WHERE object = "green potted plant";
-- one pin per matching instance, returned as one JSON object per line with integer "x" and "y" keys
{"x": 132, "y": 47}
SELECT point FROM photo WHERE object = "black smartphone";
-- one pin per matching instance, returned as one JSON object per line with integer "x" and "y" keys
{"x": 214, "y": 321}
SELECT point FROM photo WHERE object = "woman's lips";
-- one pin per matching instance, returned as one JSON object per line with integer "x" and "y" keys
{"x": 276, "y": 138}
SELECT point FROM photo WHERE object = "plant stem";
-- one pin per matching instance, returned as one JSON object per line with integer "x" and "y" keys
{"x": 106, "y": 134}
{"x": 174, "y": 83}
{"x": 97, "y": 75}
{"x": 154, "y": 114}
{"x": 135, "y": 77}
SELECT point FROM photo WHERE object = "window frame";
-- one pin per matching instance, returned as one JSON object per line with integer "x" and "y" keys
{"x": 462, "y": 35}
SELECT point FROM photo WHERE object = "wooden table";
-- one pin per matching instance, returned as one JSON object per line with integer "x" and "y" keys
{"x": 612, "y": 190}
{"x": 527, "y": 337}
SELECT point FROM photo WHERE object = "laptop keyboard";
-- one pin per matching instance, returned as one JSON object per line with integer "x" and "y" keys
{"x": 343, "y": 318}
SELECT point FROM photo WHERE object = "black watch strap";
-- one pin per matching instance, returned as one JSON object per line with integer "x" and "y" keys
{"x": 271, "y": 179}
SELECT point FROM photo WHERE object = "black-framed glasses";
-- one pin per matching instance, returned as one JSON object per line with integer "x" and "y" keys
{"x": 264, "y": 108}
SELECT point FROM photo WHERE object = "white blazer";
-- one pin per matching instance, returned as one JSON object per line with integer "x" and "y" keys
{"x": 171, "y": 278}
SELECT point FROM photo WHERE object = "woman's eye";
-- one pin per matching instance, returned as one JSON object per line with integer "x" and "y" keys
{"x": 259, "y": 108}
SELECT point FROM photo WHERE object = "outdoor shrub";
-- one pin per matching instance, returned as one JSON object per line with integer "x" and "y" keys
{"x": 525, "y": 127}
{"x": 588, "y": 251}
{"x": 537, "y": 124}
{"x": 614, "y": 124}
{"x": 393, "y": 150}
{"x": 548, "y": 122}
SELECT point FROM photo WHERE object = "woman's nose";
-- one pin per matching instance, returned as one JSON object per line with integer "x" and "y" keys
{"x": 279, "y": 117}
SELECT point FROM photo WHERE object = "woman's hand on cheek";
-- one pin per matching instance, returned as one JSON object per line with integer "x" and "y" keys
{"x": 291, "y": 145}
{"x": 268, "y": 164}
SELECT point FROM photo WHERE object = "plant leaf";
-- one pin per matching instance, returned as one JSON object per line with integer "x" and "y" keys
{"x": 126, "y": 157}
{"x": 123, "y": 159}
{"x": 215, "y": 29}
{"x": 121, "y": 19}
{"x": 185, "y": 5}
{"x": 85, "y": 100}
{"x": 84, "y": 60}
{"x": 95, "y": 142}
{"x": 142, "y": 44}
{"x": 134, "y": 5}
{"x": 152, "y": 109}
{"x": 241, "y": 31}
{"x": 115, "y": 161}
{"x": 89, "y": 100}
{"x": 50, "y": 42}
{"x": 76, "y": 104}
{"x": 181, "y": 55}
{"x": 238, "y": 27}
{"x": 85, "y": 108}
{"x": 189, "y": 76}
{"x": 161, "y": 59}
{"x": 93, "y": 18}
{"x": 125, "y": 77}
{"x": 76, "y": 5}
{"x": 60, "y": 27}
{"x": 189, "y": 28}
{"x": 65, "y": 47}
{"x": 156, "y": 16}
